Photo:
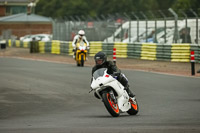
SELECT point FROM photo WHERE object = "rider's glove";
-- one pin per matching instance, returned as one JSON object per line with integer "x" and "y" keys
{"x": 88, "y": 47}
{"x": 73, "y": 50}
{"x": 115, "y": 74}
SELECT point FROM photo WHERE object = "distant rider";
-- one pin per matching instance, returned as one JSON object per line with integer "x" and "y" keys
{"x": 101, "y": 62}
{"x": 78, "y": 39}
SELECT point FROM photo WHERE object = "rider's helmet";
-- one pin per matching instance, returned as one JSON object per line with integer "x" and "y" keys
{"x": 81, "y": 33}
{"x": 100, "y": 58}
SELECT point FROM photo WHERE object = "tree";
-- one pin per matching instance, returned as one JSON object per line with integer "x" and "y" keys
{"x": 94, "y": 8}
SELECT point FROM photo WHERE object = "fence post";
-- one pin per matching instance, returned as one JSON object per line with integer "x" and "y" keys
{"x": 176, "y": 25}
{"x": 186, "y": 27}
{"x": 155, "y": 41}
{"x": 192, "y": 60}
{"x": 164, "y": 16}
{"x": 197, "y": 32}
{"x": 114, "y": 55}
{"x": 137, "y": 25}
{"x": 129, "y": 33}
{"x": 146, "y": 19}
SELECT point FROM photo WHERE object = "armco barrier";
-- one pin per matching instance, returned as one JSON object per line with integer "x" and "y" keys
{"x": 70, "y": 49}
{"x": 134, "y": 50}
{"x": 180, "y": 53}
{"x": 146, "y": 51}
{"x": 108, "y": 48}
{"x": 163, "y": 52}
{"x": 196, "y": 49}
{"x": 34, "y": 46}
{"x": 121, "y": 49}
{"x": 47, "y": 46}
{"x": 17, "y": 44}
{"x": 55, "y": 47}
{"x": 94, "y": 48}
{"x": 42, "y": 47}
{"x": 9, "y": 43}
{"x": 64, "y": 47}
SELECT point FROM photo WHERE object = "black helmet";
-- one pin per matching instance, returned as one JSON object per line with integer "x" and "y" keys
{"x": 100, "y": 58}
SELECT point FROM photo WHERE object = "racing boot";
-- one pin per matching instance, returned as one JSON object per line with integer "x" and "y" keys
{"x": 74, "y": 56}
{"x": 130, "y": 93}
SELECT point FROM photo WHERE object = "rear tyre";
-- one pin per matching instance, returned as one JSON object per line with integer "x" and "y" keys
{"x": 134, "y": 107}
{"x": 112, "y": 108}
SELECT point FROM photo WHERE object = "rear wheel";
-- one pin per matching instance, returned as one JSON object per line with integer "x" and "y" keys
{"x": 134, "y": 107}
{"x": 112, "y": 107}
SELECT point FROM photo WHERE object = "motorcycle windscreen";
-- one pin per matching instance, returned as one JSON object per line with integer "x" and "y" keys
{"x": 99, "y": 73}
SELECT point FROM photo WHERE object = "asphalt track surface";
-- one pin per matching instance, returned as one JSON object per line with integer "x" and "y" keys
{"x": 47, "y": 97}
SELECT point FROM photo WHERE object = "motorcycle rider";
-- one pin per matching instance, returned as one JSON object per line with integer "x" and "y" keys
{"x": 101, "y": 62}
{"x": 77, "y": 39}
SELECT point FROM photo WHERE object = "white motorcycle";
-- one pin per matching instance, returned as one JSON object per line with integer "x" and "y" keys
{"x": 112, "y": 93}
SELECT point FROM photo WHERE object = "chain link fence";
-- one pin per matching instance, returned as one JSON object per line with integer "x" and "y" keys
{"x": 155, "y": 27}
{"x": 167, "y": 28}
{"x": 95, "y": 30}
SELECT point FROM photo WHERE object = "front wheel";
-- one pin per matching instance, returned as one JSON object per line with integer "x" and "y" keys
{"x": 134, "y": 107}
{"x": 111, "y": 106}
{"x": 82, "y": 60}
{"x": 77, "y": 63}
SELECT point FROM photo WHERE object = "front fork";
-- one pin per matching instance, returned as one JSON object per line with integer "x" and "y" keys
{"x": 112, "y": 96}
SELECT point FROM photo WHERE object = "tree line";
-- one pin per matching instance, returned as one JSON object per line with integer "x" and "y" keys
{"x": 103, "y": 8}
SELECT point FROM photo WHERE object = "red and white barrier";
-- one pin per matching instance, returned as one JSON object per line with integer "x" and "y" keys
{"x": 114, "y": 55}
{"x": 192, "y": 60}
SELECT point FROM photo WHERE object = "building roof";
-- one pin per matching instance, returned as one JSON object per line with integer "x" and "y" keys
{"x": 23, "y": 17}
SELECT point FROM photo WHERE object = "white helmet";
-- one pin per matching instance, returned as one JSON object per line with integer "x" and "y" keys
{"x": 81, "y": 32}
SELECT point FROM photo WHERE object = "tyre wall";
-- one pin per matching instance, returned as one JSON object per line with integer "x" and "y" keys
{"x": 146, "y": 51}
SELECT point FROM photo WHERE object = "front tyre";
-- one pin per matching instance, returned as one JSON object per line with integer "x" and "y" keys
{"x": 82, "y": 60}
{"x": 134, "y": 107}
{"x": 77, "y": 63}
{"x": 112, "y": 108}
